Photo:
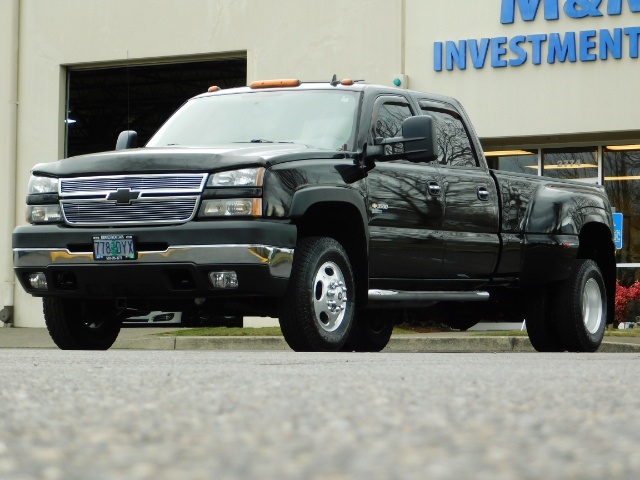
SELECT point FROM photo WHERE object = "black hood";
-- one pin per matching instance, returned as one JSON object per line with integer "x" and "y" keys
{"x": 180, "y": 159}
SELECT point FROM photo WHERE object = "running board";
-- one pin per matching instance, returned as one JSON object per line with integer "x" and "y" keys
{"x": 383, "y": 296}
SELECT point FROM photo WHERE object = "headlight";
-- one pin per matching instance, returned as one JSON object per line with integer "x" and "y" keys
{"x": 237, "y": 207}
{"x": 42, "y": 185}
{"x": 44, "y": 213}
{"x": 246, "y": 177}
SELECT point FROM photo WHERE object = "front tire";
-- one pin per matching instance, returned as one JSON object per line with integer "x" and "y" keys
{"x": 81, "y": 325}
{"x": 582, "y": 308}
{"x": 317, "y": 311}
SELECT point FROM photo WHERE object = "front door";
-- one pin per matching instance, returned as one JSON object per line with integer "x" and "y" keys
{"x": 405, "y": 202}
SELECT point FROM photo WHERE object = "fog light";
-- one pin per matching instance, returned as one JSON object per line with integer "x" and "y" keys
{"x": 224, "y": 279}
{"x": 37, "y": 281}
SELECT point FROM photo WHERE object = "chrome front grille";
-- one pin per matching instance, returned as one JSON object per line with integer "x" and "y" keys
{"x": 157, "y": 210}
{"x": 185, "y": 183}
{"x": 130, "y": 200}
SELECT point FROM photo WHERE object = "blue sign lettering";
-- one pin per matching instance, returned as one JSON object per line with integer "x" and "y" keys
{"x": 572, "y": 46}
{"x": 536, "y": 45}
{"x": 456, "y": 53}
{"x": 586, "y": 45}
{"x": 572, "y": 8}
{"x": 611, "y": 43}
{"x": 561, "y": 49}
{"x": 634, "y": 38}
{"x": 521, "y": 53}
{"x": 478, "y": 52}
{"x": 498, "y": 50}
{"x": 614, "y": 7}
{"x": 582, "y": 8}
{"x": 528, "y": 10}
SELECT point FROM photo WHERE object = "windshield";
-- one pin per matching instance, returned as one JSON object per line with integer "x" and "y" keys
{"x": 318, "y": 118}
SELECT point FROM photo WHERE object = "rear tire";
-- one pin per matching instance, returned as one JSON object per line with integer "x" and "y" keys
{"x": 371, "y": 331}
{"x": 582, "y": 308}
{"x": 317, "y": 311}
{"x": 81, "y": 325}
{"x": 541, "y": 321}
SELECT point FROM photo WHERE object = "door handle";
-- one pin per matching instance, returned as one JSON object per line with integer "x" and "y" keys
{"x": 483, "y": 194}
{"x": 434, "y": 188}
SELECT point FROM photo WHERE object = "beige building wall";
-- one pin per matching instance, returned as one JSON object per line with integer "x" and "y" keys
{"x": 375, "y": 40}
{"x": 9, "y": 20}
{"x": 284, "y": 38}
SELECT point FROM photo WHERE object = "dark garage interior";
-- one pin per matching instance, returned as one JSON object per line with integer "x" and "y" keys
{"x": 102, "y": 102}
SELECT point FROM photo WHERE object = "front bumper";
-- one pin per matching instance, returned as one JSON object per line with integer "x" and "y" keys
{"x": 173, "y": 261}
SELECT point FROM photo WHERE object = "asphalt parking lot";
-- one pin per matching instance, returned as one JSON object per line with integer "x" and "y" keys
{"x": 280, "y": 415}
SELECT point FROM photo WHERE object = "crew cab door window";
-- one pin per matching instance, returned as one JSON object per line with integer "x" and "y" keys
{"x": 470, "y": 226}
{"x": 405, "y": 206}
{"x": 388, "y": 123}
{"x": 454, "y": 146}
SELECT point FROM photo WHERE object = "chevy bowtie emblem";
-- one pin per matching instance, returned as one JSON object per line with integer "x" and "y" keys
{"x": 123, "y": 196}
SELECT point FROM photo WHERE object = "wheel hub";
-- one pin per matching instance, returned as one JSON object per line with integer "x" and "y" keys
{"x": 329, "y": 296}
{"x": 592, "y": 306}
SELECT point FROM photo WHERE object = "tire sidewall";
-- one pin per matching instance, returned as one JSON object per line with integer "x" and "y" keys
{"x": 323, "y": 339}
{"x": 572, "y": 329}
{"x": 593, "y": 340}
{"x": 300, "y": 327}
{"x": 375, "y": 330}
{"x": 70, "y": 330}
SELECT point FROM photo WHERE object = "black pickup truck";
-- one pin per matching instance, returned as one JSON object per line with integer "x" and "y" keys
{"x": 339, "y": 207}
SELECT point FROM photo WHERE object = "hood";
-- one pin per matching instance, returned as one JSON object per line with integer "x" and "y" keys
{"x": 181, "y": 159}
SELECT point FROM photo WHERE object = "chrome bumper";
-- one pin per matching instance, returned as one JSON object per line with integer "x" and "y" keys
{"x": 278, "y": 259}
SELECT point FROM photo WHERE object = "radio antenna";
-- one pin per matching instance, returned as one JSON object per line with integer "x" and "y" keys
{"x": 128, "y": 95}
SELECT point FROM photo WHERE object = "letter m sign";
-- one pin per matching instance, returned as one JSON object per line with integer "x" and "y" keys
{"x": 528, "y": 10}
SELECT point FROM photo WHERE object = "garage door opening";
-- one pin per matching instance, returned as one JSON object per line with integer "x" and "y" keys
{"x": 102, "y": 102}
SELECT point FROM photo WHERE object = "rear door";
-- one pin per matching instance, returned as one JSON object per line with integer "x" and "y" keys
{"x": 470, "y": 224}
{"x": 405, "y": 202}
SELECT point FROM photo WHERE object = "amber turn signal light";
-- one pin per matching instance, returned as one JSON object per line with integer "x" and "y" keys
{"x": 290, "y": 82}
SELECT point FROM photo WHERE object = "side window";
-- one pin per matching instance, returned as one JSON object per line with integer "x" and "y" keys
{"x": 388, "y": 124}
{"x": 454, "y": 146}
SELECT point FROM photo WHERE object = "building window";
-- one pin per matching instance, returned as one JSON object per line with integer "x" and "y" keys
{"x": 573, "y": 163}
{"x": 621, "y": 167}
{"x": 518, "y": 161}
{"x": 101, "y": 102}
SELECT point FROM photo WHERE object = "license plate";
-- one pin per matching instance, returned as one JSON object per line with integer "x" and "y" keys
{"x": 114, "y": 247}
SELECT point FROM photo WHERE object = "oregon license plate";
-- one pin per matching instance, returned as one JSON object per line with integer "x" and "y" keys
{"x": 114, "y": 247}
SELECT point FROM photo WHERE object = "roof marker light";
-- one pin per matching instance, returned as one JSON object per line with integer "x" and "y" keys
{"x": 290, "y": 82}
{"x": 213, "y": 88}
{"x": 346, "y": 81}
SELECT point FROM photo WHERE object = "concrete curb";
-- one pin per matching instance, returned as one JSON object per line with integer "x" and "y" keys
{"x": 459, "y": 344}
{"x": 231, "y": 343}
{"x": 148, "y": 339}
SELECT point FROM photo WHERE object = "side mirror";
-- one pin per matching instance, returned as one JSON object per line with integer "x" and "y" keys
{"x": 420, "y": 138}
{"x": 127, "y": 139}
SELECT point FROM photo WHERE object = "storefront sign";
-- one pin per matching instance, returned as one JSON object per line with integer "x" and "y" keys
{"x": 572, "y": 46}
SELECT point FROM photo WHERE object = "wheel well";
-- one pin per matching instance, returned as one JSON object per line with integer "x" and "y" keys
{"x": 343, "y": 222}
{"x": 596, "y": 244}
